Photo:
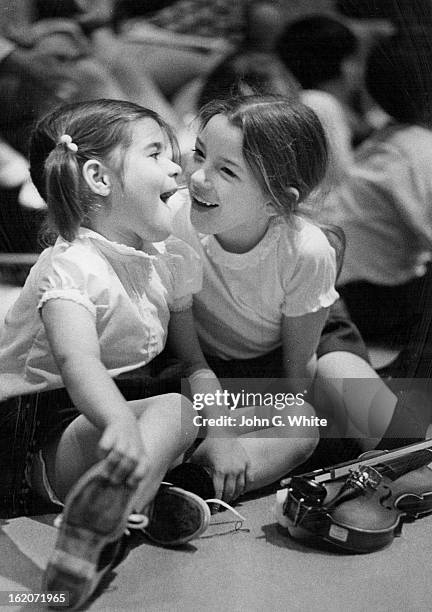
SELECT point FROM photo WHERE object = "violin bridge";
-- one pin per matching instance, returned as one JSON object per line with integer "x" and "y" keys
{"x": 364, "y": 477}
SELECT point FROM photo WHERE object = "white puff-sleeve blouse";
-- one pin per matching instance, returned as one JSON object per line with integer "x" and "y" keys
{"x": 128, "y": 292}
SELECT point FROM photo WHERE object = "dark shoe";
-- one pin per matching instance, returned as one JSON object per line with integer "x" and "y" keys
{"x": 176, "y": 516}
{"x": 196, "y": 479}
{"x": 90, "y": 538}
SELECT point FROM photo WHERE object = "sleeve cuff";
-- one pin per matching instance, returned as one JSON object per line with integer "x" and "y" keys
{"x": 324, "y": 301}
{"x": 70, "y": 295}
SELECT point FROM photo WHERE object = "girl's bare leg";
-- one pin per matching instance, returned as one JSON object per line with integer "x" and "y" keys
{"x": 275, "y": 451}
{"x": 349, "y": 390}
{"x": 167, "y": 431}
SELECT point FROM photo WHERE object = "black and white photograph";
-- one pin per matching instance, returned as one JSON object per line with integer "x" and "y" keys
{"x": 216, "y": 305}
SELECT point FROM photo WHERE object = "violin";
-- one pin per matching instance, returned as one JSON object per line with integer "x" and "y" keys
{"x": 359, "y": 506}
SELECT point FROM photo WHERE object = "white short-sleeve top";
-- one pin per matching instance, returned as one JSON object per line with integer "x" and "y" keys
{"x": 130, "y": 294}
{"x": 291, "y": 272}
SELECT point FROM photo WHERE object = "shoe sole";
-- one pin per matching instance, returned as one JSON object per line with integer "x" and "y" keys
{"x": 177, "y": 516}
{"x": 95, "y": 514}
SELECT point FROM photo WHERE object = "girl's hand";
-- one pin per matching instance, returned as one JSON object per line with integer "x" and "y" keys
{"x": 121, "y": 445}
{"x": 228, "y": 463}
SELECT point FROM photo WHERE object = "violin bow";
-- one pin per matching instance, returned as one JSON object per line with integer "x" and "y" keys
{"x": 343, "y": 469}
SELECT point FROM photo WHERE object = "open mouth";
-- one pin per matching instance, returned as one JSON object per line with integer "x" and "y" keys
{"x": 166, "y": 195}
{"x": 201, "y": 203}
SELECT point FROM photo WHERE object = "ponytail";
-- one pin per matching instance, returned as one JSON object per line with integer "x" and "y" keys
{"x": 63, "y": 191}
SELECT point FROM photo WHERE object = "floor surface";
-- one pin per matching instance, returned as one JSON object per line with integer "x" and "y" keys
{"x": 256, "y": 570}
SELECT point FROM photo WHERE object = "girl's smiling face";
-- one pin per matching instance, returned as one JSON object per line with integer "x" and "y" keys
{"x": 139, "y": 209}
{"x": 227, "y": 199}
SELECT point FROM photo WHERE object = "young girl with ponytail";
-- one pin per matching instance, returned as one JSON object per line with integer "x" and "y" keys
{"x": 97, "y": 304}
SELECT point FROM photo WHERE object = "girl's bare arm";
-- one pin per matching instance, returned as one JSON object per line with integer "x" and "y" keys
{"x": 300, "y": 338}
{"x": 73, "y": 339}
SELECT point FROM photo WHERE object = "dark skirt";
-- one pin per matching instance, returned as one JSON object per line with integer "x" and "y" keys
{"x": 340, "y": 333}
